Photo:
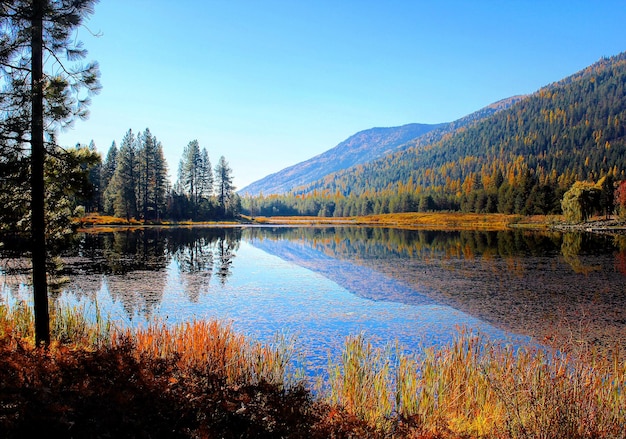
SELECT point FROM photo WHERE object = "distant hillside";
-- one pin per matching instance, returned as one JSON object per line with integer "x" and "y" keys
{"x": 518, "y": 156}
{"x": 360, "y": 148}
{"x": 571, "y": 130}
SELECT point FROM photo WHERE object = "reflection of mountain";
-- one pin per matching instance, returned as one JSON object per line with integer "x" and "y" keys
{"x": 516, "y": 281}
{"x": 359, "y": 280}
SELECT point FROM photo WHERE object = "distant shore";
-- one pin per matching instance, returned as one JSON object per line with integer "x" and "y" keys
{"x": 410, "y": 220}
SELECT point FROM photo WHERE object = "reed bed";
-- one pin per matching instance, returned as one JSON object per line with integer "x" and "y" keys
{"x": 68, "y": 325}
{"x": 470, "y": 388}
{"x": 215, "y": 348}
{"x": 474, "y": 388}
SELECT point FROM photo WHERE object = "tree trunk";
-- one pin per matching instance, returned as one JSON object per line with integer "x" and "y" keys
{"x": 38, "y": 226}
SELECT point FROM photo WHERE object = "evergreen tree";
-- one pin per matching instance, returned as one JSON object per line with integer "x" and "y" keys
{"x": 106, "y": 174}
{"x": 36, "y": 102}
{"x": 189, "y": 171}
{"x": 94, "y": 202}
{"x": 151, "y": 176}
{"x": 225, "y": 189}
{"x": 160, "y": 182}
{"x": 122, "y": 189}
{"x": 205, "y": 176}
{"x": 607, "y": 194}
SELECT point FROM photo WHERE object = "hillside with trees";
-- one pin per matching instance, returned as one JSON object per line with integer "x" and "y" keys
{"x": 522, "y": 159}
{"x": 362, "y": 147}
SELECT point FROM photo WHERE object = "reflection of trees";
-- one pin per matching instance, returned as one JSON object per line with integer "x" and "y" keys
{"x": 135, "y": 293}
{"x": 383, "y": 242}
{"x": 192, "y": 249}
{"x": 123, "y": 251}
{"x": 516, "y": 280}
{"x": 200, "y": 252}
{"x": 570, "y": 248}
{"x": 133, "y": 263}
{"x": 226, "y": 253}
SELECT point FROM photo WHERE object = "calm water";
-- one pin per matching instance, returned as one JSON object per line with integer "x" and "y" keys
{"x": 322, "y": 284}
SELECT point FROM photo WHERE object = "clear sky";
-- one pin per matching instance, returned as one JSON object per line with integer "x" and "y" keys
{"x": 268, "y": 83}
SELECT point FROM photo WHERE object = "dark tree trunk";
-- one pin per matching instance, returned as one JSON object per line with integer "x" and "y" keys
{"x": 40, "y": 284}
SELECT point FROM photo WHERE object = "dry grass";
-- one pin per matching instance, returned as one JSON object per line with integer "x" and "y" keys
{"x": 213, "y": 347}
{"x": 430, "y": 221}
{"x": 201, "y": 379}
{"x": 473, "y": 388}
{"x": 95, "y": 219}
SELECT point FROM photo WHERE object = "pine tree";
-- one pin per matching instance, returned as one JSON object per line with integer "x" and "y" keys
{"x": 36, "y": 102}
{"x": 106, "y": 174}
{"x": 122, "y": 189}
{"x": 224, "y": 188}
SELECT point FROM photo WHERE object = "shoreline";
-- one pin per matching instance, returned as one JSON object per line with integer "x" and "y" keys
{"x": 443, "y": 221}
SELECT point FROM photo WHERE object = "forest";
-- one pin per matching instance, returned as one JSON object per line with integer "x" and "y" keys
{"x": 520, "y": 160}
{"x": 132, "y": 182}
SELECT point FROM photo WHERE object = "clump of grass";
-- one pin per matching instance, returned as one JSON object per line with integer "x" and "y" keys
{"x": 473, "y": 388}
{"x": 214, "y": 347}
{"x": 17, "y": 321}
{"x": 360, "y": 382}
{"x": 68, "y": 324}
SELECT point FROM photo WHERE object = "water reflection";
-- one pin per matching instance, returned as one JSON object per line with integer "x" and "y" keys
{"x": 565, "y": 289}
{"x": 546, "y": 285}
{"x": 133, "y": 265}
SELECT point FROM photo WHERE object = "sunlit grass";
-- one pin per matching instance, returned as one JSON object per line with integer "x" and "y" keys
{"x": 473, "y": 388}
{"x": 413, "y": 220}
{"x": 214, "y": 347}
{"x": 470, "y": 388}
{"x": 68, "y": 325}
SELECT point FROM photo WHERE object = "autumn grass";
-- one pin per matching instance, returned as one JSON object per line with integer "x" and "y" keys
{"x": 430, "y": 220}
{"x": 473, "y": 388}
{"x": 214, "y": 347}
{"x": 202, "y": 379}
{"x": 444, "y": 221}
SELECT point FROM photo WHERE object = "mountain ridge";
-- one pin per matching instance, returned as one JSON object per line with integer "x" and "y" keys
{"x": 359, "y": 148}
{"x": 363, "y": 147}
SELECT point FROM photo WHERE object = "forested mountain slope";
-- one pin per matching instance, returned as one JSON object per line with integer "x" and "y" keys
{"x": 571, "y": 130}
{"x": 360, "y": 148}
{"x": 364, "y": 147}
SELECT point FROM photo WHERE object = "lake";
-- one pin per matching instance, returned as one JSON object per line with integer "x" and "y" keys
{"x": 321, "y": 284}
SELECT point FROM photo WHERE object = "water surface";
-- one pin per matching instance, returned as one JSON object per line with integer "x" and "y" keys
{"x": 321, "y": 284}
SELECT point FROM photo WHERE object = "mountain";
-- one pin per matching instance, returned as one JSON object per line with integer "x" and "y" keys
{"x": 363, "y": 147}
{"x": 517, "y": 156}
{"x": 573, "y": 129}
{"x": 359, "y": 148}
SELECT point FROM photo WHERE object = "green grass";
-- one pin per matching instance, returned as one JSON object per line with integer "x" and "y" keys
{"x": 470, "y": 388}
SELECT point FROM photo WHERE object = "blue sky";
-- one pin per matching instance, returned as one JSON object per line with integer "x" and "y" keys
{"x": 271, "y": 83}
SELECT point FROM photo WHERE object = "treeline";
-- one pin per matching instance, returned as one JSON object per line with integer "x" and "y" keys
{"x": 581, "y": 201}
{"x": 520, "y": 160}
{"x": 132, "y": 182}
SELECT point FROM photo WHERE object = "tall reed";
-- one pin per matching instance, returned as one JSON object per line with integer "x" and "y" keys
{"x": 214, "y": 347}
{"x": 473, "y": 388}
{"x": 360, "y": 382}
{"x": 68, "y": 324}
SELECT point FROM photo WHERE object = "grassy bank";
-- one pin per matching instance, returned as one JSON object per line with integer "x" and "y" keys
{"x": 430, "y": 221}
{"x": 201, "y": 379}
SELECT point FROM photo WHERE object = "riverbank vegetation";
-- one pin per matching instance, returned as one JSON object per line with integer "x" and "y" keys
{"x": 201, "y": 379}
